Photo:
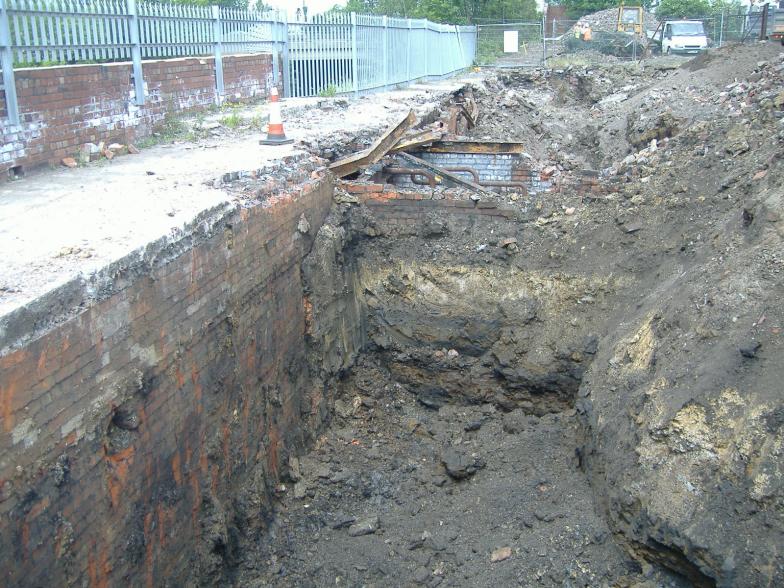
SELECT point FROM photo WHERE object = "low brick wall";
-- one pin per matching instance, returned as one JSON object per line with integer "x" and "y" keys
{"x": 62, "y": 108}
{"x": 489, "y": 166}
{"x": 140, "y": 431}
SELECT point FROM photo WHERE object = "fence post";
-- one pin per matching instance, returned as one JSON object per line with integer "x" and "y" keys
{"x": 275, "y": 53}
{"x": 136, "y": 53}
{"x": 764, "y": 24}
{"x": 544, "y": 40}
{"x": 217, "y": 31}
{"x": 354, "y": 59}
{"x": 721, "y": 29}
{"x": 284, "y": 28}
{"x": 7, "y": 63}
{"x": 385, "y": 50}
{"x": 408, "y": 51}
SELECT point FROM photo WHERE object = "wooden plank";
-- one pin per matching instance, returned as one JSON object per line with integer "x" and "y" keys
{"x": 417, "y": 140}
{"x": 475, "y": 147}
{"x": 454, "y": 178}
{"x": 390, "y": 137}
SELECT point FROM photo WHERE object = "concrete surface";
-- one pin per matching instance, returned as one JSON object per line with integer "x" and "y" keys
{"x": 56, "y": 224}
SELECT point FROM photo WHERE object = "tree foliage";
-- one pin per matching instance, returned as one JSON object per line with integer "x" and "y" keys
{"x": 451, "y": 11}
{"x": 682, "y": 8}
{"x": 695, "y": 8}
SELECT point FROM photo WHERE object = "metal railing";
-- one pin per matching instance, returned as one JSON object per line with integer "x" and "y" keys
{"x": 52, "y": 32}
{"x": 332, "y": 53}
{"x": 339, "y": 53}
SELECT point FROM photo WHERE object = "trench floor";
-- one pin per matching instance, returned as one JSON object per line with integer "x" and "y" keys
{"x": 380, "y": 466}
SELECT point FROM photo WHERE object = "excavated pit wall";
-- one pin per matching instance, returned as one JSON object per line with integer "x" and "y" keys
{"x": 144, "y": 424}
{"x": 456, "y": 311}
{"x": 147, "y": 423}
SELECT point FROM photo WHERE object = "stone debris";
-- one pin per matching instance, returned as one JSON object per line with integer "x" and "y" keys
{"x": 366, "y": 526}
{"x": 460, "y": 464}
{"x": 303, "y": 226}
{"x": 501, "y": 554}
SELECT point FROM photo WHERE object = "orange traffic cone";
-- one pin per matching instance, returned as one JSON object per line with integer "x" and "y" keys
{"x": 275, "y": 133}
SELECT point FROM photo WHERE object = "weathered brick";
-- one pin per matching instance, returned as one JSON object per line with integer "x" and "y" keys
{"x": 185, "y": 373}
{"x": 69, "y": 98}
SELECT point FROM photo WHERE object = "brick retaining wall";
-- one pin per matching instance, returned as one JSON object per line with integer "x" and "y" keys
{"x": 62, "y": 108}
{"x": 141, "y": 431}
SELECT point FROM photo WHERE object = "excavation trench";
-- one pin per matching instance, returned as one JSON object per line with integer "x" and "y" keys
{"x": 397, "y": 381}
{"x": 454, "y": 440}
{"x": 450, "y": 338}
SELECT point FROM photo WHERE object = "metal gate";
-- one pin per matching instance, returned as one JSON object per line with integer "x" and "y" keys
{"x": 513, "y": 44}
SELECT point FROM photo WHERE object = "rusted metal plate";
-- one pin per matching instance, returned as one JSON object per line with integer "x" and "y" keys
{"x": 355, "y": 162}
{"x": 457, "y": 112}
{"x": 440, "y": 171}
{"x": 417, "y": 140}
{"x": 474, "y": 147}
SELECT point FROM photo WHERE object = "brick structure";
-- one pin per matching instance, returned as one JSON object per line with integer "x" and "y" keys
{"x": 62, "y": 108}
{"x": 489, "y": 166}
{"x": 140, "y": 430}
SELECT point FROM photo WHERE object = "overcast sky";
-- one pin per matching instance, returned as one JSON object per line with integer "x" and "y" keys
{"x": 314, "y": 6}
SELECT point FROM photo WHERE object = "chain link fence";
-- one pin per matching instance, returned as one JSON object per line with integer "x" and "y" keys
{"x": 518, "y": 44}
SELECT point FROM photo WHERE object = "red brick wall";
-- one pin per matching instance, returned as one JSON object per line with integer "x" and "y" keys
{"x": 126, "y": 430}
{"x": 62, "y": 108}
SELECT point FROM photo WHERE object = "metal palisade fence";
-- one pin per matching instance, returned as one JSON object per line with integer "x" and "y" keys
{"x": 331, "y": 53}
{"x": 50, "y": 32}
{"x": 336, "y": 53}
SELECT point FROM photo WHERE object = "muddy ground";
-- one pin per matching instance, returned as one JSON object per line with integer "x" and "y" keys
{"x": 599, "y": 404}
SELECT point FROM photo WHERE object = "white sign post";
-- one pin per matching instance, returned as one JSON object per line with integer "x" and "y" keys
{"x": 510, "y": 42}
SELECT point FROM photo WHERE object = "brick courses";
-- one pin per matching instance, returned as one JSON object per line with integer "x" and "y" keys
{"x": 405, "y": 211}
{"x": 62, "y": 108}
{"x": 206, "y": 351}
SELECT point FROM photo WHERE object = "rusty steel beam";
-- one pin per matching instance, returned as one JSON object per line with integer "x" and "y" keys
{"x": 467, "y": 170}
{"x": 390, "y": 137}
{"x": 474, "y": 147}
{"x": 417, "y": 140}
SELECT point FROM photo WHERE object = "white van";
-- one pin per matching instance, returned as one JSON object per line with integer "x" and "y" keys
{"x": 680, "y": 36}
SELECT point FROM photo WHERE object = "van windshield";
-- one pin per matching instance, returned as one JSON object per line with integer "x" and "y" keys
{"x": 687, "y": 29}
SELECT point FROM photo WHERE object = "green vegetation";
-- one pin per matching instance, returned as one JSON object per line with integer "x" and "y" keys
{"x": 329, "y": 91}
{"x": 232, "y": 121}
{"x": 174, "y": 127}
{"x": 695, "y": 8}
{"x": 683, "y": 8}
